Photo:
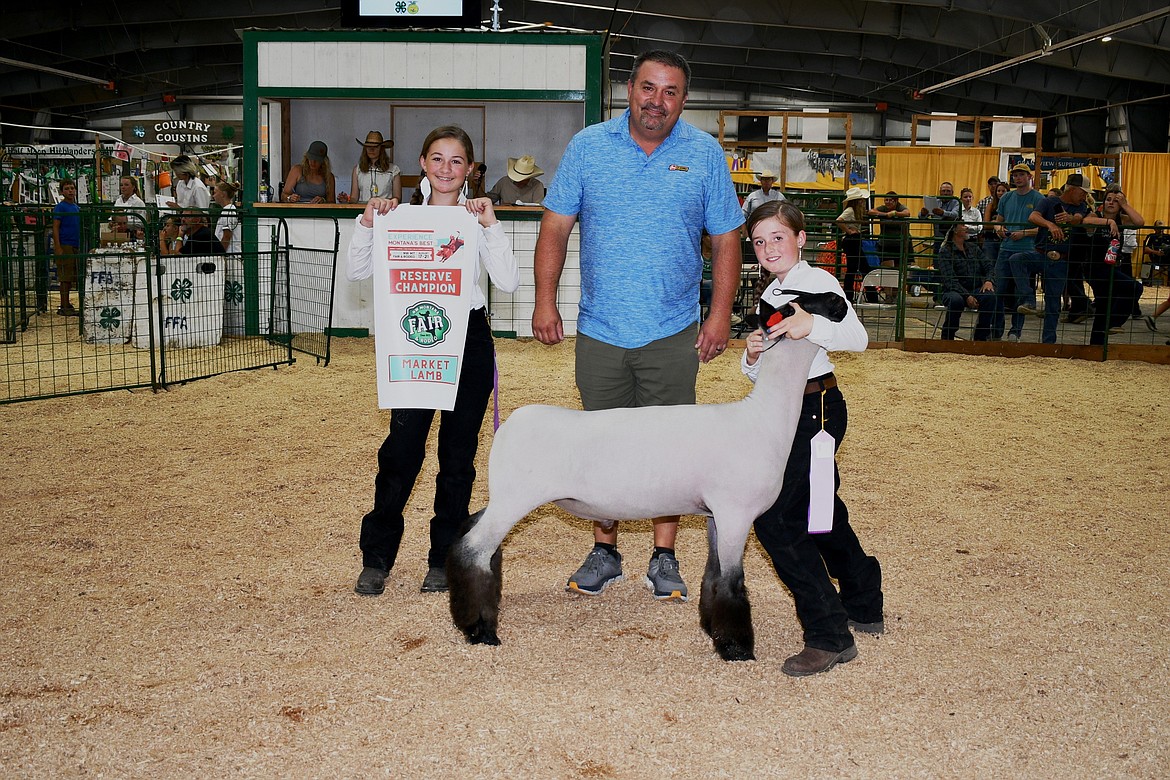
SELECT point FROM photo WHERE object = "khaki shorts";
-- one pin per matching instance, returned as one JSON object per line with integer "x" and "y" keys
{"x": 67, "y": 263}
{"x": 662, "y": 373}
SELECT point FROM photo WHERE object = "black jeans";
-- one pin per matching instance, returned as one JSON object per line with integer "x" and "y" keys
{"x": 1115, "y": 290}
{"x": 401, "y": 456}
{"x": 801, "y": 558}
{"x": 855, "y": 264}
{"x": 1078, "y": 302}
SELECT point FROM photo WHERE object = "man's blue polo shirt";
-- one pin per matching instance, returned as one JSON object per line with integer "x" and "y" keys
{"x": 641, "y": 221}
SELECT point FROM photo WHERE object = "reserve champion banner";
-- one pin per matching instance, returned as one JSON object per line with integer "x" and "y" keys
{"x": 423, "y": 260}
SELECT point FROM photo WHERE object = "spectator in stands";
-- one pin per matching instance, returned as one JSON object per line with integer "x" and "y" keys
{"x": 969, "y": 214}
{"x": 988, "y": 206}
{"x": 227, "y": 225}
{"x": 1016, "y": 234}
{"x": 128, "y": 194}
{"x": 189, "y": 190}
{"x": 765, "y": 193}
{"x": 892, "y": 216}
{"x": 311, "y": 181}
{"x": 1129, "y": 220}
{"x": 853, "y": 222}
{"x": 170, "y": 238}
{"x": 945, "y": 212}
{"x": 992, "y": 185}
{"x": 66, "y": 243}
{"x": 1155, "y": 254}
{"x": 1058, "y": 221}
{"x": 521, "y": 186}
{"x": 966, "y": 283}
{"x": 1115, "y": 291}
{"x": 374, "y": 176}
{"x": 128, "y": 199}
{"x": 477, "y": 181}
{"x": 197, "y": 236}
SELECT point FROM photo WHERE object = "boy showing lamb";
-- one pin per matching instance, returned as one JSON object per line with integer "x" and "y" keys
{"x": 777, "y": 236}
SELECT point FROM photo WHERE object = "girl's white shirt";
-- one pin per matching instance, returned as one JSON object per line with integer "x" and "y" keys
{"x": 495, "y": 255}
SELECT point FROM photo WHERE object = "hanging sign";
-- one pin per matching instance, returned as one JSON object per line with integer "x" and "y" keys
{"x": 182, "y": 131}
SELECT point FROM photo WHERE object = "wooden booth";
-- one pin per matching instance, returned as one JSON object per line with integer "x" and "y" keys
{"x": 514, "y": 93}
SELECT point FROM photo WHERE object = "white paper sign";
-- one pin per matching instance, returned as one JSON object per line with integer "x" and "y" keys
{"x": 821, "y": 483}
{"x": 423, "y": 270}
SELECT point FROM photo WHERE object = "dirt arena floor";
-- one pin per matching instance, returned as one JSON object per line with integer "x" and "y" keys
{"x": 178, "y": 573}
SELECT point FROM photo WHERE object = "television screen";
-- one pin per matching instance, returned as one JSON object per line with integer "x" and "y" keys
{"x": 752, "y": 129}
{"x": 411, "y": 13}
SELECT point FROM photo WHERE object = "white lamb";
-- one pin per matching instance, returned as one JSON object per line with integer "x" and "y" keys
{"x": 623, "y": 464}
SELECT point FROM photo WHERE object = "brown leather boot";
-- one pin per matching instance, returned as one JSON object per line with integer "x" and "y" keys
{"x": 810, "y": 660}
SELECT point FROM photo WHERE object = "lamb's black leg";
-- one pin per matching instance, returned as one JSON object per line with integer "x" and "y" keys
{"x": 474, "y": 592}
{"x": 726, "y": 615}
{"x": 710, "y": 575}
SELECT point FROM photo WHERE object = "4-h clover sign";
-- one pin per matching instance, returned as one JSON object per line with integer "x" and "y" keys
{"x": 110, "y": 318}
{"x": 426, "y": 324}
{"x": 233, "y": 292}
{"x": 182, "y": 289}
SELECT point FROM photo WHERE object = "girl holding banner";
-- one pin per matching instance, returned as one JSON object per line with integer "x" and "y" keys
{"x": 446, "y": 160}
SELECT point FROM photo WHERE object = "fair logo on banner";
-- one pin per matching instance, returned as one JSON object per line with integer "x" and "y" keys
{"x": 423, "y": 258}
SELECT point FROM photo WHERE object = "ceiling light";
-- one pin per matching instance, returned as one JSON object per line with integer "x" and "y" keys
{"x": 1106, "y": 39}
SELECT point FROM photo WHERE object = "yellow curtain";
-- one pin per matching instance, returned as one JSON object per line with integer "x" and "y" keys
{"x": 824, "y": 181}
{"x": 1144, "y": 176}
{"x": 1057, "y": 178}
{"x": 913, "y": 171}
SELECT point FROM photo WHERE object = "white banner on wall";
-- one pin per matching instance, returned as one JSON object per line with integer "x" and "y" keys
{"x": 423, "y": 267}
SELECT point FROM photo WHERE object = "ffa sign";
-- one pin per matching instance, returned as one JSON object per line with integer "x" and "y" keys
{"x": 182, "y": 131}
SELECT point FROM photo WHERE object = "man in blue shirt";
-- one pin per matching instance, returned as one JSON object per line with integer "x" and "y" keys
{"x": 1016, "y": 234}
{"x": 643, "y": 186}
{"x": 945, "y": 214}
{"x": 66, "y": 243}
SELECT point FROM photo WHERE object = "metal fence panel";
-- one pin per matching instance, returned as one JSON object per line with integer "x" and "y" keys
{"x": 144, "y": 319}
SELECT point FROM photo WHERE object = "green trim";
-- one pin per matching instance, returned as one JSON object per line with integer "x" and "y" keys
{"x": 251, "y": 184}
{"x": 348, "y": 333}
{"x": 595, "y": 71}
{"x": 342, "y": 93}
{"x": 504, "y": 334}
{"x": 387, "y": 36}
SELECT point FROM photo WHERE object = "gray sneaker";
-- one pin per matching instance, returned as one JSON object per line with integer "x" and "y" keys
{"x": 601, "y": 567}
{"x": 663, "y": 578}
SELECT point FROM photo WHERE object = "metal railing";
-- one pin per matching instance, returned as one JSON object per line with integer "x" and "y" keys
{"x": 143, "y": 318}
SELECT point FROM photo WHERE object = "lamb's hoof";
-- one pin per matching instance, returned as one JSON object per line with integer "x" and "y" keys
{"x": 481, "y": 634}
{"x": 734, "y": 651}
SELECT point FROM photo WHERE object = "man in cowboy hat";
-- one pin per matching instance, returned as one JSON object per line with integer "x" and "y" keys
{"x": 765, "y": 193}
{"x": 520, "y": 186}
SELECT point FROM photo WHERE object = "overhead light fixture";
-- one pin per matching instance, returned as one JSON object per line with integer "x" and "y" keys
{"x": 1103, "y": 34}
{"x": 1106, "y": 38}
